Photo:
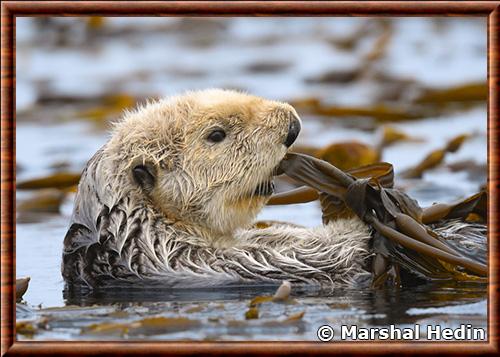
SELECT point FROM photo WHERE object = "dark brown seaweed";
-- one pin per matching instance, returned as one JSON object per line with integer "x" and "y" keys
{"x": 400, "y": 236}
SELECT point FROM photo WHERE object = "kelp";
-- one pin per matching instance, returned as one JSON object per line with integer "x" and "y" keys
{"x": 436, "y": 157}
{"x": 252, "y": 313}
{"x": 375, "y": 53}
{"x": 148, "y": 326}
{"x": 336, "y": 76}
{"x": 431, "y": 102}
{"x": 332, "y": 206}
{"x": 267, "y": 67}
{"x": 282, "y": 295}
{"x": 381, "y": 44}
{"x": 463, "y": 94}
{"x": 380, "y": 112}
{"x": 112, "y": 106}
{"x": 60, "y": 180}
{"x": 49, "y": 193}
{"x": 31, "y": 328}
{"x": 194, "y": 309}
{"x": 95, "y": 22}
{"x": 350, "y": 154}
{"x": 391, "y": 135}
{"x": 344, "y": 155}
{"x": 44, "y": 201}
{"x": 295, "y": 317}
{"x": 400, "y": 239}
{"x": 21, "y": 287}
{"x": 26, "y": 328}
{"x": 476, "y": 171}
{"x": 347, "y": 155}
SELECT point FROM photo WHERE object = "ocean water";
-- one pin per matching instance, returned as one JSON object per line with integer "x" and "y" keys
{"x": 66, "y": 66}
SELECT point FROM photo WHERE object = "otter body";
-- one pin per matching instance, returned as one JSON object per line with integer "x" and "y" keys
{"x": 169, "y": 201}
{"x": 170, "y": 198}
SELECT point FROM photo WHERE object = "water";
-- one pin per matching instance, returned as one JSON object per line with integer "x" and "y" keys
{"x": 66, "y": 67}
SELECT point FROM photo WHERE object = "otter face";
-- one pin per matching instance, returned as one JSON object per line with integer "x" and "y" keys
{"x": 222, "y": 150}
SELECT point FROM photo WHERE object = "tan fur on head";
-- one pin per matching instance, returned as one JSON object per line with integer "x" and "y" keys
{"x": 207, "y": 187}
{"x": 160, "y": 204}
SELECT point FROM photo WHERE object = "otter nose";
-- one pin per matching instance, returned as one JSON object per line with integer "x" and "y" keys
{"x": 293, "y": 130}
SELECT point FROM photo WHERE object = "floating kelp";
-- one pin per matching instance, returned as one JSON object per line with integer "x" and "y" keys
{"x": 476, "y": 171}
{"x": 380, "y": 112}
{"x": 44, "y": 201}
{"x": 21, "y": 287}
{"x": 160, "y": 325}
{"x": 347, "y": 44}
{"x": 348, "y": 155}
{"x": 400, "y": 239}
{"x": 252, "y": 313}
{"x": 267, "y": 67}
{"x": 282, "y": 294}
{"x": 112, "y": 106}
{"x": 381, "y": 44}
{"x": 351, "y": 154}
{"x": 475, "y": 204}
{"x": 95, "y": 22}
{"x": 431, "y": 102}
{"x": 30, "y": 328}
{"x": 148, "y": 326}
{"x": 436, "y": 157}
{"x": 336, "y": 76}
{"x": 26, "y": 328}
{"x": 295, "y": 317}
{"x": 391, "y": 135}
{"x": 469, "y": 93}
{"x": 60, "y": 180}
{"x": 106, "y": 328}
{"x": 194, "y": 309}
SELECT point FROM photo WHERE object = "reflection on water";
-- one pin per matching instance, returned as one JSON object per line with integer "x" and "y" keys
{"x": 76, "y": 75}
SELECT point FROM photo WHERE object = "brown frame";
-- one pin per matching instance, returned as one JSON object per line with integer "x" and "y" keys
{"x": 11, "y": 9}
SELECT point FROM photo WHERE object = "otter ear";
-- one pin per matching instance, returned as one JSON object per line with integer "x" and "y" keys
{"x": 144, "y": 176}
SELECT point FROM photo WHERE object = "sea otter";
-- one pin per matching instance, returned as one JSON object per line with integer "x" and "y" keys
{"x": 170, "y": 199}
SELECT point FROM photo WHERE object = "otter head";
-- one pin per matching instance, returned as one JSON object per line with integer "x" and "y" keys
{"x": 205, "y": 159}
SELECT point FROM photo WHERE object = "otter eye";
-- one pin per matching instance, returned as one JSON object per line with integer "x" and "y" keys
{"x": 216, "y": 136}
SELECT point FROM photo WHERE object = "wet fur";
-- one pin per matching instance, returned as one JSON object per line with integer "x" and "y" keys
{"x": 193, "y": 228}
{"x": 131, "y": 241}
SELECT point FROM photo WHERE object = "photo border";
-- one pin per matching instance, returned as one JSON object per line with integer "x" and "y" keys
{"x": 11, "y": 9}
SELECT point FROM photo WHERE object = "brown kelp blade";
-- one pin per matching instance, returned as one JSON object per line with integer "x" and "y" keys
{"x": 21, "y": 287}
{"x": 316, "y": 173}
{"x": 412, "y": 228}
{"x": 473, "y": 204}
{"x": 429, "y": 250}
{"x": 59, "y": 180}
{"x": 414, "y": 245}
{"x": 436, "y": 157}
{"x": 302, "y": 194}
{"x": 381, "y": 172}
